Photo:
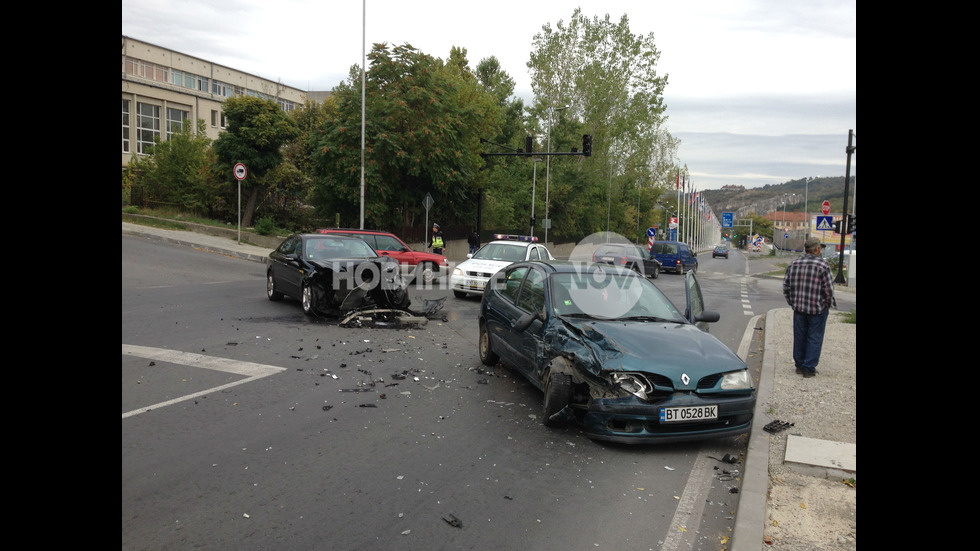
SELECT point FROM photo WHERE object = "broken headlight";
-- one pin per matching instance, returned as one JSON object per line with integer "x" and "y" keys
{"x": 633, "y": 383}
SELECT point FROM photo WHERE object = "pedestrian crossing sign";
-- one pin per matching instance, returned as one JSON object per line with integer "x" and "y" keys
{"x": 825, "y": 223}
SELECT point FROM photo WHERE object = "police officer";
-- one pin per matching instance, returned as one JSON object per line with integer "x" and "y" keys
{"x": 437, "y": 243}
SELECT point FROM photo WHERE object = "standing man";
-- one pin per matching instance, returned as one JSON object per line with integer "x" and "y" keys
{"x": 474, "y": 241}
{"x": 809, "y": 289}
{"x": 436, "y": 244}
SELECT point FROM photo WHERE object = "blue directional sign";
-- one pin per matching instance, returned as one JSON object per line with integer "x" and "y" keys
{"x": 726, "y": 219}
{"x": 651, "y": 232}
{"x": 825, "y": 223}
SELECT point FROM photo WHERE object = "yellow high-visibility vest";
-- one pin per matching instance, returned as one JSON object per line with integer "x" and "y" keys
{"x": 436, "y": 241}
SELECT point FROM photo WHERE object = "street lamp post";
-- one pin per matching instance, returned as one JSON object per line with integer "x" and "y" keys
{"x": 547, "y": 169}
{"x": 534, "y": 183}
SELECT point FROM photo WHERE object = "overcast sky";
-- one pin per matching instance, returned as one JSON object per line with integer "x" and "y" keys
{"x": 759, "y": 91}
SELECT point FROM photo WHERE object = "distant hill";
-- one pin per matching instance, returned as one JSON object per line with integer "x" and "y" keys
{"x": 766, "y": 199}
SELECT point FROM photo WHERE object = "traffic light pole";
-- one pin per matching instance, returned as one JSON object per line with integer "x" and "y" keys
{"x": 846, "y": 219}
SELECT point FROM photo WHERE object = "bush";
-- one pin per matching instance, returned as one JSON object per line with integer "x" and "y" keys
{"x": 265, "y": 226}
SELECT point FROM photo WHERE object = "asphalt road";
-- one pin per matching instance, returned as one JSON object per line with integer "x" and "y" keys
{"x": 247, "y": 425}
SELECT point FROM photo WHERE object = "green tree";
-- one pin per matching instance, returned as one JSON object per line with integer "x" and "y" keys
{"x": 178, "y": 171}
{"x": 424, "y": 120}
{"x": 608, "y": 78}
{"x": 256, "y": 133}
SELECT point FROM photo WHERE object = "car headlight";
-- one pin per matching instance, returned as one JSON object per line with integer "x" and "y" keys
{"x": 634, "y": 384}
{"x": 457, "y": 272}
{"x": 736, "y": 380}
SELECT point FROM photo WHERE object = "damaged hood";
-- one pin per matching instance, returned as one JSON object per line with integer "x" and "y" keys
{"x": 665, "y": 348}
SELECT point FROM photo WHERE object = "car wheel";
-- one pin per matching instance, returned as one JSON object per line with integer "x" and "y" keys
{"x": 680, "y": 269}
{"x": 557, "y": 392}
{"x": 459, "y": 294}
{"x": 425, "y": 273}
{"x": 307, "y": 299}
{"x": 655, "y": 273}
{"x": 695, "y": 268}
{"x": 487, "y": 355}
{"x": 270, "y": 287}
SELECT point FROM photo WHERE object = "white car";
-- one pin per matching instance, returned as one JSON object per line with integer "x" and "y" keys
{"x": 470, "y": 276}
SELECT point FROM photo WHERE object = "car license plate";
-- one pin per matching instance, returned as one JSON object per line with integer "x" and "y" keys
{"x": 472, "y": 284}
{"x": 607, "y": 259}
{"x": 693, "y": 413}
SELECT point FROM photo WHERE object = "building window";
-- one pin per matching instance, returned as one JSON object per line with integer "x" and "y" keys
{"x": 177, "y": 77}
{"x": 149, "y": 71}
{"x": 147, "y": 126}
{"x": 125, "y": 126}
{"x": 214, "y": 117}
{"x": 175, "y": 121}
{"x": 202, "y": 84}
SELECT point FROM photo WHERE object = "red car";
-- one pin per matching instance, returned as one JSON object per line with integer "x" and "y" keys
{"x": 415, "y": 265}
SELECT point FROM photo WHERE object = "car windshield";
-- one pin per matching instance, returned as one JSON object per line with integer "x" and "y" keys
{"x": 501, "y": 251}
{"x": 603, "y": 295}
{"x": 327, "y": 248}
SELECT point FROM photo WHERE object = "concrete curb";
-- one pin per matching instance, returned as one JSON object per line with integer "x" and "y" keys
{"x": 751, "y": 512}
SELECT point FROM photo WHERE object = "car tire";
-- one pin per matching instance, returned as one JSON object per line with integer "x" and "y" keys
{"x": 459, "y": 294}
{"x": 487, "y": 355}
{"x": 680, "y": 269}
{"x": 425, "y": 273}
{"x": 655, "y": 273}
{"x": 270, "y": 288}
{"x": 557, "y": 392}
{"x": 307, "y": 299}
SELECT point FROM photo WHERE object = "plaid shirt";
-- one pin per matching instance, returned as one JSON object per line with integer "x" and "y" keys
{"x": 808, "y": 285}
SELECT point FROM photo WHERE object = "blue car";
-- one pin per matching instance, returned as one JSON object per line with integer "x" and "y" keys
{"x": 611, "y": 353}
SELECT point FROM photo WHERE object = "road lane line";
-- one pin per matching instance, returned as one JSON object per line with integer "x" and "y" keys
{"x": 251, "y": 371}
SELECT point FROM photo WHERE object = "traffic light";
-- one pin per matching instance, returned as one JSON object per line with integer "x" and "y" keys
{"x": 587, "y": 145}
{"x": 851, "y": 223}
{"x": 528, "y": 145}
{"x": 837, "y": 226}
{"x": 533, "y": 219}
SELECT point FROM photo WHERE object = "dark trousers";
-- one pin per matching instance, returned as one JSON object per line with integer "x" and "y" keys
{"x": 808, "y": 333}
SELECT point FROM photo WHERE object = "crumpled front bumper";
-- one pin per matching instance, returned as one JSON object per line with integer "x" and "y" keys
{"x": 631, "y": 420}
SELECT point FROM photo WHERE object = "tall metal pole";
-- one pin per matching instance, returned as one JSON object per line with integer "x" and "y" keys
{"x": 547, "y": 168}
{"x": 534, "y": 183}
{"x": 847, "y": 178}
{"x": 363, "y": 78}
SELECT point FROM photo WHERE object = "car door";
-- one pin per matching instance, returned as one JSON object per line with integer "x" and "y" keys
{"x": 286, "y": 270}
{"x": 501, "y": 311}
{"x": 391, "y": 246}
{"x": 529, "y": 343}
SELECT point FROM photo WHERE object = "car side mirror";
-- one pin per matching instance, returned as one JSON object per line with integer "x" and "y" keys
{"x": 292, "y": 257}
{"x": 525, "y": 321}
{"x": 708, "y": 316}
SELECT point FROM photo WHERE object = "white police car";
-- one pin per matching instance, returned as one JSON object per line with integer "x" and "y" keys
{"x": 471, "y": 275}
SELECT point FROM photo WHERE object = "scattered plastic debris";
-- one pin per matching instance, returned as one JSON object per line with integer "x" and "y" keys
{"x": 776, "y": 426}
{"x": 453, "y": 521}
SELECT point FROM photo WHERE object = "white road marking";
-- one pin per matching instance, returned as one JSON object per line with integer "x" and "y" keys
{"x": 251, "y": 371}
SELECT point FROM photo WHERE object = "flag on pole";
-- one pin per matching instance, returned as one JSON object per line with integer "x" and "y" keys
{"x": 677, "y": 185}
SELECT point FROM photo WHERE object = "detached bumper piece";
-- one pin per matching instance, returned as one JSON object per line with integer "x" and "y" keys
{"x": 776, "y": 426}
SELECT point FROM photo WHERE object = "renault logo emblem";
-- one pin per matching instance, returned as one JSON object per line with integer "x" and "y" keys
{"x": 685, "y": 379}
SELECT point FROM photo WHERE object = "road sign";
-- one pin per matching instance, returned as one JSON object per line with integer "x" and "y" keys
{"x": 727, "y": 219}
{"x": 651, "y": 232}
{"x": 825, "y": 208}
{"x": 825, "y": 223}
{"x": 240, "y": 171}
{"x": 427, "y": 202}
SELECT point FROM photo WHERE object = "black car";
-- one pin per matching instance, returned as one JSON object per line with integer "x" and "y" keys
{"x": 629, "y": 256}
{"x": 720, "y": 250}
{"x": 612, "y": 353}
{"x": 333, "y": 275}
